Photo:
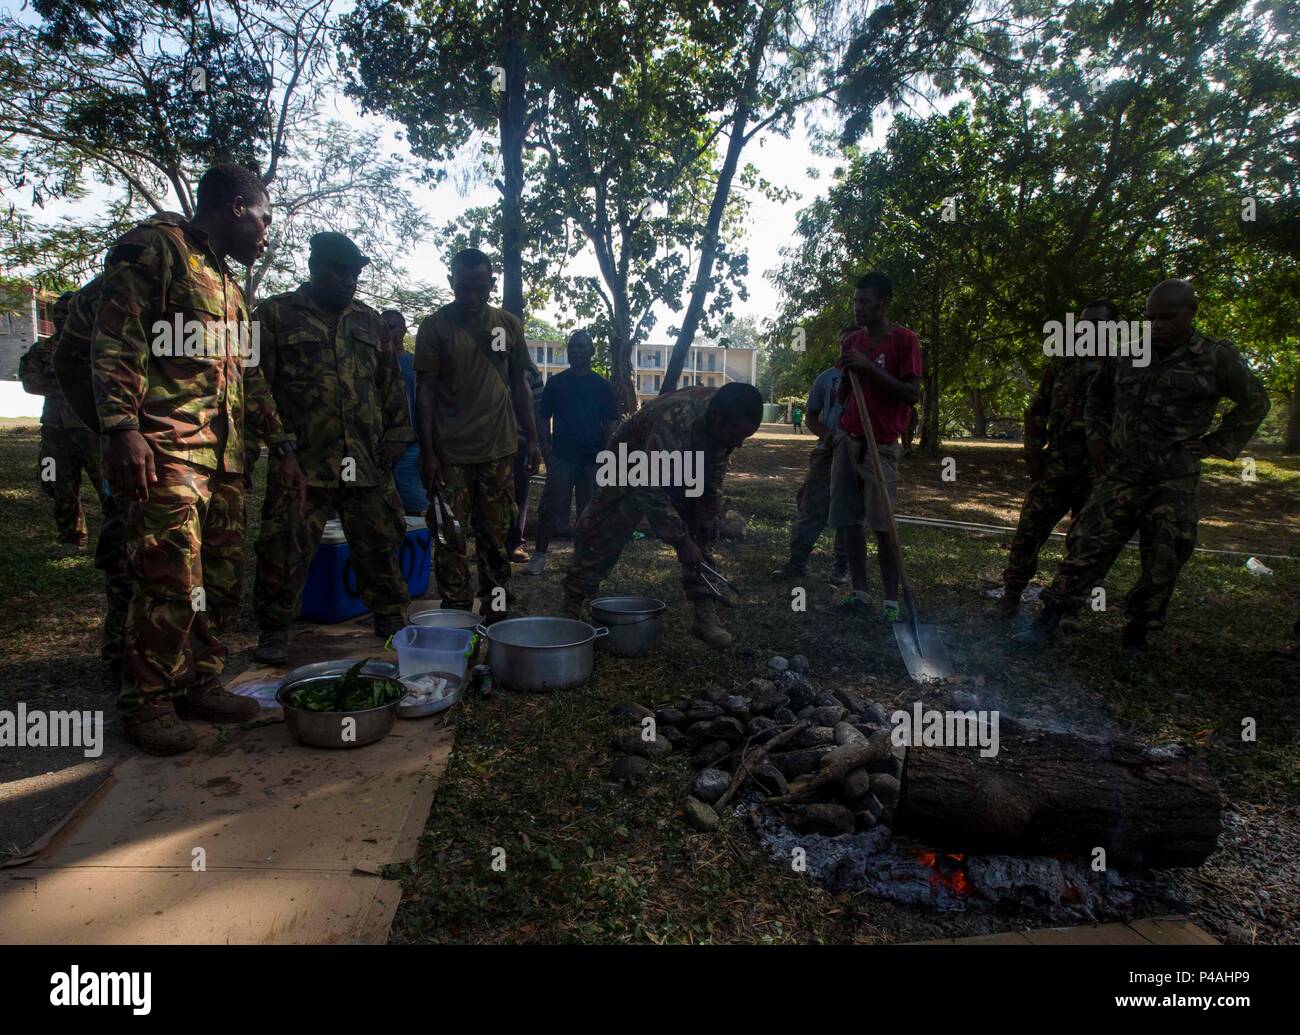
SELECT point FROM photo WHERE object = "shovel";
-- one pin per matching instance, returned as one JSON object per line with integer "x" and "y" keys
{"x": 919, "y": 645}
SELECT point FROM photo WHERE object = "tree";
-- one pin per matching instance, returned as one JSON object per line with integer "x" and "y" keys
{"x": 790, "y": 56}
{"x": 1068, "y": 180}
{"x": 610, "y": 135}
{"x": 457, "y": 71}
{"x": 145, "y": 96}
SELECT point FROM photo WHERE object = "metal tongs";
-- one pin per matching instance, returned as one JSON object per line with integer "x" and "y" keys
{"x": 446, "y": 527}
{"x": 705, "y": 571}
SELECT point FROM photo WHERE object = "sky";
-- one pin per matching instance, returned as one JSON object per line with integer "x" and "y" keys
{"x": 787, "y": 163}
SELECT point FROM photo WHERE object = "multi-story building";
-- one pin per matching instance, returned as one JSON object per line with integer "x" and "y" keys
{"x": 712, "y": 365}
{"x": 24, "y": 317}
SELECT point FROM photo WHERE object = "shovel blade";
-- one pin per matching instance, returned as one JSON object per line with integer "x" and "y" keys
{"x": 926, "y": 660}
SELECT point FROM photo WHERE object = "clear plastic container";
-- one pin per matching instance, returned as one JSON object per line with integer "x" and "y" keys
{"x": 424, "y": 648}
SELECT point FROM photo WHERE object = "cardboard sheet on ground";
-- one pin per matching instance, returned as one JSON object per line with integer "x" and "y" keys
{"x": 292, "y": 838}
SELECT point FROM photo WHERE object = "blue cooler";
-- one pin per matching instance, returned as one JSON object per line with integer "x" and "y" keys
{"x": 331, "y": 593}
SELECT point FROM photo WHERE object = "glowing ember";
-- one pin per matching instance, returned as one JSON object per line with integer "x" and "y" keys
{"x": 948, "y": 870}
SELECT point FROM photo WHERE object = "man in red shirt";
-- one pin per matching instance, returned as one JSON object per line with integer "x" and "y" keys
{"x": 887, "y": 361}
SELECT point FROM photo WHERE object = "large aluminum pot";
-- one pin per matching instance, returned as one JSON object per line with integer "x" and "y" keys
{"x": 634, "y": 624}
{"x": 538, "y": 654}
{"x": 326, "y": 729}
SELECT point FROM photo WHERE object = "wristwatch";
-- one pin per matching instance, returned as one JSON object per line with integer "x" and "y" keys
{"x": 282, "y": 449}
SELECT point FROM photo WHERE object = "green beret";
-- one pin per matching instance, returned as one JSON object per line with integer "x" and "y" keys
{"x": 336, "y": 247}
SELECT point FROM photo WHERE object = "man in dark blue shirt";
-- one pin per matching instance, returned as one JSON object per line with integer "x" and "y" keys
{"x": 406, "y": 471}
{"x": 578, "y": 413}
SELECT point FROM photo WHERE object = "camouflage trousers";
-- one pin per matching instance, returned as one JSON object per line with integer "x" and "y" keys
{"x": 605, "y": 527}
{"x": 65, "y": 453}
{"x": 814, "y": 502}
{"x": 182, "y": 553}
{"x": 1164, "y": 514}
{"x": 374, "y": 525}
{"x": 482, "y": 496}
{"x": 110, "y": 558}
{"x": 1063, "y": 489}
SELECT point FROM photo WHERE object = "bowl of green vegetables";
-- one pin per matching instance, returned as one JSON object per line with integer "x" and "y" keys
{"x": 341, "y": 704}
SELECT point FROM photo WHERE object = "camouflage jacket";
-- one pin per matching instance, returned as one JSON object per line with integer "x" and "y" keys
{"x": 1145, "y": 414}
{"x": 36, "y": 370}
{"x": 187, "y": 393}
{"x": 1054, "y": 417}
{"x": 673, "y": 423}
{"x": 343, "y": 396}
{"x": 71, "y": 357}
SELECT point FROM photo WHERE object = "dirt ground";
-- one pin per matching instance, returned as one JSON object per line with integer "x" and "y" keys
{"x": 591, "y": 862}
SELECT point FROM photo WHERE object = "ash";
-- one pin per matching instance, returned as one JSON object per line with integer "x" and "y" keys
{"x": 894, "y": 868}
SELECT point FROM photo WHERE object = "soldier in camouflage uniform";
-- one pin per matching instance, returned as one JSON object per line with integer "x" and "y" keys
{"x": 814, "y": 496}
{"x": 1147, "y": 430}
{"x": 707, "y": 422}
{"x": 1056, "y": 457}
{"x": 471, "y": 393}
{"x": 68, "y": 447}
{"x": 339, "y": 390}
{"x": 73, "y": 353}
{"x": 173, "y": 391}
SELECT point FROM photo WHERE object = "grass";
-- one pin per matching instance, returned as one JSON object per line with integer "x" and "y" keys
{"x": 588, "y": 862}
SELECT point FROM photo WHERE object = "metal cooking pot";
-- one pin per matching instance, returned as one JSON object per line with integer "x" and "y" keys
{"x": 537, "y": 654}
{"x": 634, "y": 624}
{"x": 420, "y": 613}
{"x": 325, "y": 729}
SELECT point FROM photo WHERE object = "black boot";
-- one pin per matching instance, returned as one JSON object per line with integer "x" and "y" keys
{"x": 1042, "y": 632}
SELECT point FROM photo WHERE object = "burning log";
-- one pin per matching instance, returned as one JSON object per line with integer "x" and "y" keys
{"x": 1047, "y": 792}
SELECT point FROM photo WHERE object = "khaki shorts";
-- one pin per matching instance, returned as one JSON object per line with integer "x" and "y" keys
{"x": 852, "y": 501}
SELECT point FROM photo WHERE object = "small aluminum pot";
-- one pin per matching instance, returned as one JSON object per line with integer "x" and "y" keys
{"x": 540, "y": 654}
{"x": 634, "y": 624}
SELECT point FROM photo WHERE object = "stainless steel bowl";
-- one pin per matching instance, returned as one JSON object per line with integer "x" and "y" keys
{"x": 540, "y": 654}
{"x": 331, "y": 729}
{"x": 634, "y": 624}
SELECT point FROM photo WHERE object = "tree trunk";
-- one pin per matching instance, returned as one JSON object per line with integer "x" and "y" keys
{"x": 622, "y": 369}
{"x": 979, "y": 419}
{"x": 930, "y": 368}
{"x": 512, "y": 119}
{"x": 721, "y": 194}
{"x": 1291, "y": 442}
{"x": 1049, "y": 793}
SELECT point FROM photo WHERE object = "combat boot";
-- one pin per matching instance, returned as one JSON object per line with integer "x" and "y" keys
{"x": 1134, "y": 639}
{"x": 1009, "y": 606}
{"x": 210, "y": 700}
{"x": 1042, "y": 632}
{"x": 706, "y": 626}
{"x": 155, "y": 728}
{"x": 272, "y": 647}
{"x": 388, "y": 625}
{"x": 572, "y": 607}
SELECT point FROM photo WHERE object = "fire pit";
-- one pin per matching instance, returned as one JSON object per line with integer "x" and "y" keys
{"x": 954, "y": 807}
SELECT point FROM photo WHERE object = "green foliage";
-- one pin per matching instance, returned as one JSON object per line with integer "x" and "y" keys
{"x": 146, "y": 96}
{"x": 1114, "y": 154}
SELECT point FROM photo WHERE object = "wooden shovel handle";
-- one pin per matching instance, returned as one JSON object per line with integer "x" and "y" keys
{"x": 894, "y": 543}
